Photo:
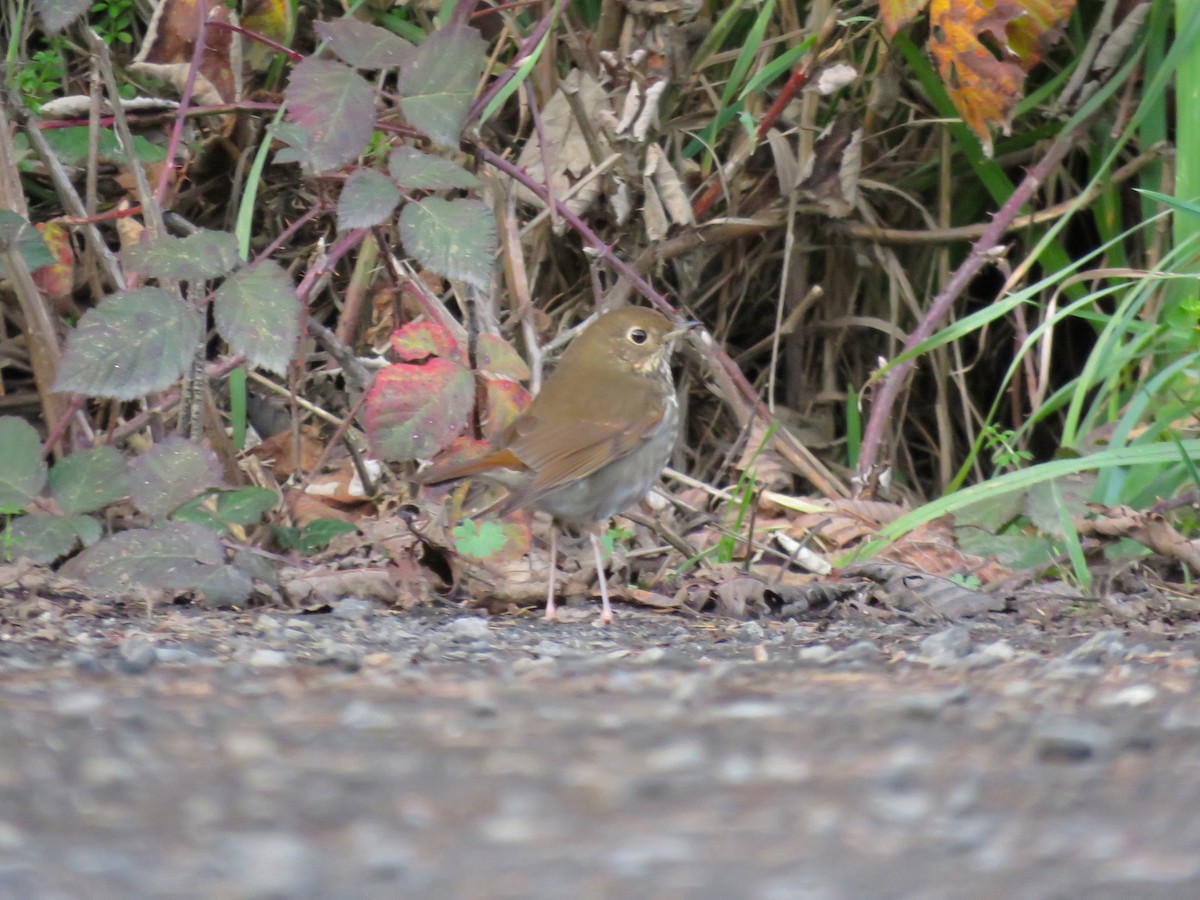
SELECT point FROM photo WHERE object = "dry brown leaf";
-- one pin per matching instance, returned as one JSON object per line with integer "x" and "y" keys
{"x": 306, "y": 587}
{"x": 170, "y": 42}
{"x": 1151, "y": 531}
{"x": 279, "y": 452}
{"x": 566, "y": 150}
{"x": 926, "y": 595}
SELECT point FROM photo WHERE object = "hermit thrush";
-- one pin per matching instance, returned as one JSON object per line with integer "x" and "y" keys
{"x": 597, "y": 436}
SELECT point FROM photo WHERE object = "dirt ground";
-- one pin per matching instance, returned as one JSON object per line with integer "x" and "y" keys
{"x": 1046, "y": 752}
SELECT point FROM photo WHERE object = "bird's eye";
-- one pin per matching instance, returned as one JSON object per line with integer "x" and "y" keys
{"x": 637, "y": 335}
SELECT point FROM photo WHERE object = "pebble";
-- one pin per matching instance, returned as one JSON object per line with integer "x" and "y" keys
{"x": 753, "y": 631}
{"x": 815, "y": 653}
{"x": 859, "y": 651}
{"x": 946, "y": 647}
{"x": 1102, "y": 647}
{"x": 88, "y": 662}
{"x": 77, "y": 704}
{"x": 469, "y": 628}
{"x": 998, "y": 652}
{"x": 1069, "y": 740}
{"x": 273, "y": 864}
{"x": 136, "y": 656}
{"x": 353, "y": 609}
{"x": 1132, "y": 695}
{"x": 267, "y": 658}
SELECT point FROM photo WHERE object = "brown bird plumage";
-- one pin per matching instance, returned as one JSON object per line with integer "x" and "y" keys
{"x": 595, "y": 439}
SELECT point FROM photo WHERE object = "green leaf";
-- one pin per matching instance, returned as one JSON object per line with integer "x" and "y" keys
{"x": 170, "y": 473}
{"x": 258, "y": 314}
{"x": 245, "y": 506}
{"x": 437, "y": 85}
{"x": 17, "y": 236}
{"x": 419, "y": 171}
{"x": 176, "y": 557}
{"x": 23, "y": 474}
{"x": 199, "y": 256}
{"x": 316, "y": 535}
{"x": 70, "y": 145}
{"x": 89, "y": 480}
{"x": 42, "y": 539}
{"x": 481, "y": 540}
{"x": 454, "y": 238}
{"x": 367, "y": 198}
{"x": 364, "y": 46}
{"x": 131, "y": 344}
{"x": 335, "y": 108}
{"x": 223, "y": 586}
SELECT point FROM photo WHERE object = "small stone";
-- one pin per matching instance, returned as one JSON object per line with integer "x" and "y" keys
{"x": 1133, "y": 695}
{"x": 753, "y": 631}
{"x": 267, "y": 658}
{"x": 649, "y": 656}
{"x": 137, "y": 655}
{"x": 552, "y": 649}
{"x": 859, "y": 651}
{"x": 107, "y": 771}
{"x": 1068, "y": 740}
{"x": 946, "y": 647}
{"x": 815, "y": 653}
{"x": 88, "y": 662}
{"x": 1104, "y": 646}
{"x": 469, "y": 628}
{"x": 675, "y": 757}
{"x": 353, "y": 609}
{"x": 268, "y": 865}
{"x": 77, "y": 704}
{"x": 343, "y": 656}
{"x": 177, "y": 655}
{"x": 998, "y": 651}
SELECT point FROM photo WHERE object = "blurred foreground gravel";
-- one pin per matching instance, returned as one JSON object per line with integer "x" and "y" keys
{"x": 362, "y": 753}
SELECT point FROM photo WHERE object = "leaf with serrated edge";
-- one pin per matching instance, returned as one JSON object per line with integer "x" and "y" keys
{"x": 419, "y": 171}
{"x": 368, "y": 198}
{"x": 414, "y": 341}
{"x": 454, "y": 238}
{"x": 43, "y": 539}
{"x": 336, "y": 109}
{"x": 437, "y": 85}
{"x": 412, "y": 412}
{"x": 363, "y": 45}
{"x": 498, "y": 357}
{"x": 170, "y": 473}
{"x": 245, "y": 506}
{"x": 131, "y": 344}
{"x": 177, "y": 557}
{"x": 23, "y": 474}
{"x": 89, "y": 480}
{"x": 258, "y": 314}
{"x": 197, "y": 257}
{"x": 19, "y": 237}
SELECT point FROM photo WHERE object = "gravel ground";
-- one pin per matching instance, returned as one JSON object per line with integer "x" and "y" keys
{"x": 437, "y": 753}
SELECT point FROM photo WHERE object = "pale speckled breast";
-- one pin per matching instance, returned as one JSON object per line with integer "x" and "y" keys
{"x": 623, "y": 482}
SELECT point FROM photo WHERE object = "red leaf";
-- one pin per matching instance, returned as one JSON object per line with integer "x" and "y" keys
{"x": 416, "y": 341}
{"x": 413, "y": 412}
{"x": 505, "y": 401}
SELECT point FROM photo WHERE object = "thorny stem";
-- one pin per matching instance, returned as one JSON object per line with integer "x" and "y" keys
{"x": 979, "y": 255}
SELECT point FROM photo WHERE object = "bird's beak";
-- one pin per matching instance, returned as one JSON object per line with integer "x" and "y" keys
{"x": 683, "y": 328}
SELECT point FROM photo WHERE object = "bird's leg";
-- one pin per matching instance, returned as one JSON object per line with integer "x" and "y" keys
{"x": 551, "y": 613}
{"x": 606, "y": 615}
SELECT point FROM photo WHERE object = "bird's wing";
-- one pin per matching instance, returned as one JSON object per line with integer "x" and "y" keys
{"x": 561, "y": 453}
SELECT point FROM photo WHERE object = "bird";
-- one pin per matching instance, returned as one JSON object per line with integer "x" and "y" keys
{"x": 596, "y": 437}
